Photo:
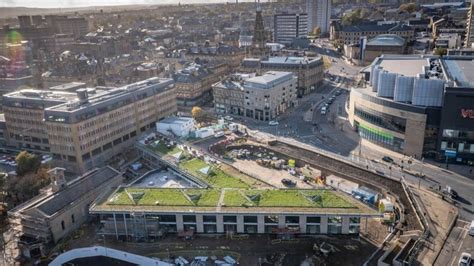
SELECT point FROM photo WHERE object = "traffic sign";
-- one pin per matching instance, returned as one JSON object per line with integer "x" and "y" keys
{"x": 450, "y": 153}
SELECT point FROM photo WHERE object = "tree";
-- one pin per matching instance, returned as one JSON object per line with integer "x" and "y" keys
{"x": 317, "y": 31}
{"x": 28, "y": 185}
{"x": 440, "y": 51}
{"x": 409, "y": 7}
{"x": 27, "y": 163}
{"x": 197, "y": 113}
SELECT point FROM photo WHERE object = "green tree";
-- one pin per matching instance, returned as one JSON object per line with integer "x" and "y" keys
{"x": 197, "y": 113}
{"x": 408, "y": 7}
{"x": 27, "y": 163}
{"x": 317, "y": 31}
{"x": 440, "y": 51}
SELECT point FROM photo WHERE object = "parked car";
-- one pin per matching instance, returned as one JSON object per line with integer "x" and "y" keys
{"x": 465, "y": 259}
{"x": 229, "y": 118}
{"x": 219, "y": 134}
{"x": 387, "y": 159}
{"x": 288, "y": 182}
{"x": 273, "y": 123}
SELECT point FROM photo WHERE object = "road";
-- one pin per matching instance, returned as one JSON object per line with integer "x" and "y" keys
{"x": 333, "y": 133}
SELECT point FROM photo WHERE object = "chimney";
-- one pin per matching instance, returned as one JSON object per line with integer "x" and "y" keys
{"x": 83, "y": 96}
{"x": 58, "y": 181}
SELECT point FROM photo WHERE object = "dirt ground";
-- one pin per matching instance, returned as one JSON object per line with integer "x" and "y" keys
{"x": 268, "y": 175}
{"x": 347, "y": 250}
{"x": 440, "y": 215}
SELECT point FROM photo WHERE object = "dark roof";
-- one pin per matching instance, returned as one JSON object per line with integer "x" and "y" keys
{"x": 76, "y": 190}
{"x": 375, "y": 27}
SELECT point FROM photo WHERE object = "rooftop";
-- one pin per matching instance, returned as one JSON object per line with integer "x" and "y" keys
{"x": 405, "y": 65}
{"x": 231, "y": 200}
{"x": 269, "y": 79}
{"x": 290, "y": 60}
{"x": 176, "y": 120}
{"x": 460, "y": 69}
{"x": 376, "y": 27}
{"x": 48, "y": 204}
{"x": 387, "y": 40}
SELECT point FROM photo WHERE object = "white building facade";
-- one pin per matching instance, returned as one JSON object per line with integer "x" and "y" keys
{"x": 319, "y": 14}
{"x": 270, "y": 95}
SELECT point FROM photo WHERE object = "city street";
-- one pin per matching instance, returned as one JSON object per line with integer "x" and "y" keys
{"x": 332, "y": 132}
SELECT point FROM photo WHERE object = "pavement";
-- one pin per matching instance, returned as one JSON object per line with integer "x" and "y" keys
{"x": 333, "y": 133}
{"x": 458, "y": 241}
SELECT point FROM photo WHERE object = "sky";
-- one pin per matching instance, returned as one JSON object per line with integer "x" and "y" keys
{"x": 85, "y": 3}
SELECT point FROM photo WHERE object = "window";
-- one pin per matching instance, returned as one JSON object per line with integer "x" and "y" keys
{"x": 313, "y": 219}
{"x": 250, "y": 219}
{"x": 209, "y": 219}
{"x": 230, "y": 219}
{"x": 292, "y": 219}
{"x": 271, "y": 219}
{"x": 354, "y": 220}
{"x": 189, "y": 218}
{"x": 62, "y": 225}
{"x": 73, "y": 220}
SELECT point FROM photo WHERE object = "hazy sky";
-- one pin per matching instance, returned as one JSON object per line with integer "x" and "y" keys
{"x": 81, "y": 3}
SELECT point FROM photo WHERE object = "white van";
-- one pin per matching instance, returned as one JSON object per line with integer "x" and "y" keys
{"x": 471, "y": 229}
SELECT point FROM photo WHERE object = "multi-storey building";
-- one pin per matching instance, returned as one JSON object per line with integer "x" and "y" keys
{"x": 351, "y": 34}
{"x": 418, "y": 105}
{"x": 469, "y": 40}
{"x": 319, "y": 14}
{"x": 193, "y": 83}
{"x": 85, "y": 133}
{"x": 309, "y": 70}
{"x": 85, "y": 130}
{"x": 269, "y": 95}
{"x": 287, "y": 27}
{"x": 229, "y": 95}
{"x": 231, "y": 55}
{"x": 24, "y": 117}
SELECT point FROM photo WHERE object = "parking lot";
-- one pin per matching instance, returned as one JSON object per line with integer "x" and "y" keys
{"x": 458, "y": 241}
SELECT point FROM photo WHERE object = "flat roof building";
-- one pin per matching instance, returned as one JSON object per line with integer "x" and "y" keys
{"x": 418, "y": 105}
{"x": 269, "y": 95}
{"x": 309, "y": 70}
{"x": 227, "y": 211}
{"x": 83, "y": 130}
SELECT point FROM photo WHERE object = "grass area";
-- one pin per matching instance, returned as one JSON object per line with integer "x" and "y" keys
{"x": 163, "y": 149}
{"x": 328, "y": 199}
{"x": 234, "y": 198}
{"x": 283, "y": 198}
{"x": 217, "y": 178}
{"x": 204, "y": 197}
{"x": 120, "y": 198}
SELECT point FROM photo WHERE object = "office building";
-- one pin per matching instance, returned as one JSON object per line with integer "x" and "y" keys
{"x": 319, "y": 14}
{"x": 352, "y": 33}
{"x": 83, "y": 130}
{"x": 59, "y": 209}
{"x": 469, "y": 40}
{"x": 418, "y": 105}
{"x": 229, "y": 94}
{"x": 288, "y": 27}
{"x": 309, "y": 70}
{"x": 367, "y": 50}
{"x": 269, "y": 95}
{"x": 193, "y": 83}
